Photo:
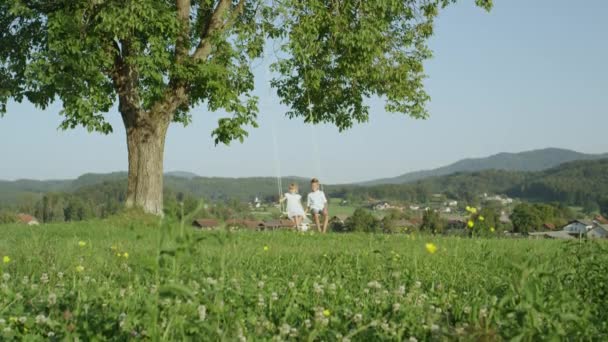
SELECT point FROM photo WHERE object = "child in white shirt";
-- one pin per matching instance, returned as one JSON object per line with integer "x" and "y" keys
{"x": 317, "y": 203}
{"x": 295, "y": 211}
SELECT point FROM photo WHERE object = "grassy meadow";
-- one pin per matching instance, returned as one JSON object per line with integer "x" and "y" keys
{"x": 137, "y": 279}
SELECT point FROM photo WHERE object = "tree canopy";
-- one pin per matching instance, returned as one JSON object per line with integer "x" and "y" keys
{"x": 159, "y": 59}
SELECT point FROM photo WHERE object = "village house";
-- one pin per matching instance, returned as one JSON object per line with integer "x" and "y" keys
{"x": 27, "y": 219}
{"x": 598, "y": 232}
{"x": 382, "y": 206}
{"x": 578, "y": 227}
{"x": 451, "y": 203}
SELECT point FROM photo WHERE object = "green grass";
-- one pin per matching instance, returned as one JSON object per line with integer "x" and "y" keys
{"x": 336, "y": 209}
{"x": 178, "y": 284}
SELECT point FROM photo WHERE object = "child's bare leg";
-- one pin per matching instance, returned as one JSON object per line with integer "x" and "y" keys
{"x": 298, "y": 222}
{"x": 294, "y": 220}
{"x": 325, "y": 222}
{"x": 317, "y": 222}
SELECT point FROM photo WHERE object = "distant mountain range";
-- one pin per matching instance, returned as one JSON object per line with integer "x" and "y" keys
{"x": 529, "y": 161}
{"x": 513, "y": 169}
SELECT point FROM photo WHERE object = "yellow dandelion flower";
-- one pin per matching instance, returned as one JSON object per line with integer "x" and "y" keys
{"x": 82, "y": 243}
{"x": 471, "y": 224}
{"x": 266, "y": 248}
{"x": 473, "y": 210}
{"x": 481, "y": 218}
{"x": 492, "y": 229}
{"x": 118, "y": 255}
{"x": 113, "y": 248}
{"x": 126, "y": 255}
{"x": 468, "y": 208}
{"x": 326, "y": 313}
{"x": 79, "y": 268}
{"x": 6, "y": 259}
{"x": 431, "y": 248}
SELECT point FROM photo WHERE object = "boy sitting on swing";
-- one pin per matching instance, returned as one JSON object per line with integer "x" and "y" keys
{"x": 317, "y": 204}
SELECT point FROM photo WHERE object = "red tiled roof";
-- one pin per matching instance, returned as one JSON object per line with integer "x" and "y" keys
{"x": 601, "y": 219}
{"x": 25, "y": 218}
{"x": 205, "y": 223}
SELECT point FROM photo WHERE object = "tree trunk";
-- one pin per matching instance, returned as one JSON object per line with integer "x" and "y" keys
{"x": 146, "y": 144}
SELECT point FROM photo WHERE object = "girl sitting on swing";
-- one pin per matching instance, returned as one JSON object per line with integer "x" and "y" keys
{"x": 295, "y": 211}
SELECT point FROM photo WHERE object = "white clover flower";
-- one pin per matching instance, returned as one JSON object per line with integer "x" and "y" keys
{"x": 291, "y": 285}
{"x": 2, "y": 321}
{"x": 41, "y": 319}
{"x": 358, "y": 318}
{"x": 6, "y": 276}
{"x": 202, "y": 312}
{"x": 374, "y": 285}
{"x": 52, "y": 299}
{"x": 285, "y": 329}
{"x": 211, "y": 281}
{"x": 19, "y": 296}
{"x": 25, "y": 280}
{"x": 413, "y": 339}
{"x": 400, "y": 291}
{"x": 22, "y": 319}
{"x": 44, "y": 278}
{"x": 274, "y": 296}
{"x": 366, "y": 291}
{"x": 396, "y": 307}
{"x": 7, "y": 330}
{"x": 418, "y": 284}
{"x": 483, "y": 312}
{"x": 466, "y": 310}
{"x": 318, "y": 288}
{"x": 434, "y": 328}
{"x": 261, "y": 284}
{"x": 60, "y": 275}
{"x": 307, "y": 324}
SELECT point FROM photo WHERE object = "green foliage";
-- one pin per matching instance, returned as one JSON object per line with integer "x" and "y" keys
{"x": 603, "y": 205}
{"x": 530, "y": 217}
{"x": 525, "y": 218}
{"x": 145, "y": 53}
{"x": 432, "y": 222}
{"x": 7, "y": 217}
{"x": 362, "y": 221}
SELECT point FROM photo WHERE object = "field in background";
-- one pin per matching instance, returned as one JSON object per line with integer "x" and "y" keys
{"x": 128, "y": 279}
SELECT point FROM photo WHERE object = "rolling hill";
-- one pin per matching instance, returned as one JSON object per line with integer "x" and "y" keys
{"x": 530, "y": 161}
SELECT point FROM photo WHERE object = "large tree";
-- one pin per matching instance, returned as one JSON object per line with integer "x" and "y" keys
{"x": 158, "y": 59}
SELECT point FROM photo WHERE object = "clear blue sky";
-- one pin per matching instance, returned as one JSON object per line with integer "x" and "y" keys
{"x": 531, "y": 74}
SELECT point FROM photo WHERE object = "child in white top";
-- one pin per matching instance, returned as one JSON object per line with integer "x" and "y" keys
{"x": 295, "y": 211}
{"x": 317, "y": 203}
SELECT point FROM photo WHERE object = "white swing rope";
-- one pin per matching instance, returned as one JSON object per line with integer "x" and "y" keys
{"x": 275, "y": 143}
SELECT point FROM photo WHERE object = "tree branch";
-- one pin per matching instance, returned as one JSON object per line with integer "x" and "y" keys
{"x": 217, "y": 23}
{"x": 182, "y": 43}
{"x": 125, "y": 80}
